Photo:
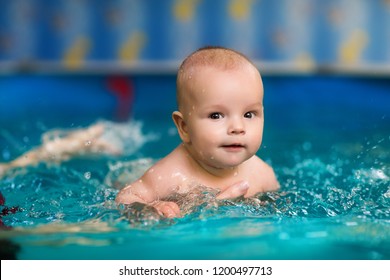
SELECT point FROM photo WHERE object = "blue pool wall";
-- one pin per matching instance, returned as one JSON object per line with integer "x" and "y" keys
{"x": 28, "y": 97}
{"x": 320, "y": 110}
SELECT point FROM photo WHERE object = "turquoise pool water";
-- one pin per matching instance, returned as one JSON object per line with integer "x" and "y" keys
{"x": 326, "y": 137}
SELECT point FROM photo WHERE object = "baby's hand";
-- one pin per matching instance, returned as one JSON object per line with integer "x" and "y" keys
{"x": 168, "y": 209}
{"x": 234, "y": 191}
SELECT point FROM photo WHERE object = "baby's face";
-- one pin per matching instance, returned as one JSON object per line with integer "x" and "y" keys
{"x": 224, "y": 115}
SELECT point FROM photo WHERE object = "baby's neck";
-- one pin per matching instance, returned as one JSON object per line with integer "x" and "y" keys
{"x": 218, "y": 172}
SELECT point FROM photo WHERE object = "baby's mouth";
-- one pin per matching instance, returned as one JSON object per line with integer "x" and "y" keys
{"x": 234, "y": 146}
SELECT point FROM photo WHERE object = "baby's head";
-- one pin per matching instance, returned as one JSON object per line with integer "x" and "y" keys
{"x": 220, "y": 101}
{"x": 219, "y": 58}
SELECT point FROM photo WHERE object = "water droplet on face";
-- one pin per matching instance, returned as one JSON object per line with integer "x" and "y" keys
{"x": 87, "y": 175}
{"x": 88, "y": 142}
{"x": 159, "y": 177}
{"x": 151, "y": 170}
{"x": 177, "y": 174}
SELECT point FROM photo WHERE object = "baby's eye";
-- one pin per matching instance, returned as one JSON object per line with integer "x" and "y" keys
{"x": 249, "y": 115}
{"x": 215, "y": 116}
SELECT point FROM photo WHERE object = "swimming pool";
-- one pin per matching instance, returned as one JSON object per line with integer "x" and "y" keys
{"x": 326, "y": 136}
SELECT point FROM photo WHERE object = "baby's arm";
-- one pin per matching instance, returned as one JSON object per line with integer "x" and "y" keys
{"x": 142, "y": 191}
{"x": 139, "y": 192}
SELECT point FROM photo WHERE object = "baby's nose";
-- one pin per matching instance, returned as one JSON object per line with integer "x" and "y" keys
{"x": 236, "y": 127}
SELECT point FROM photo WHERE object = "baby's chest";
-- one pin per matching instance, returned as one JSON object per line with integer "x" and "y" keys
{"x": 182, "y": 182}
{"x": 222, "y": 184}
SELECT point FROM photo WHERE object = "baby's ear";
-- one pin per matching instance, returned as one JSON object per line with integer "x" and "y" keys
{"x": 181, "y": 126}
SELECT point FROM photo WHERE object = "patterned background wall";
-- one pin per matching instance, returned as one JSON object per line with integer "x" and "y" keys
{"x": 77, "y": 33}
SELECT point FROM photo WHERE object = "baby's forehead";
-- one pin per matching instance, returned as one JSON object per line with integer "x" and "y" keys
{"x": 198, "y": 76}
{"x": 216, "y": 59}
{"x": 190, "y": 75}
{"x": 202, "y": 81}
{"x": 219, "y": 60}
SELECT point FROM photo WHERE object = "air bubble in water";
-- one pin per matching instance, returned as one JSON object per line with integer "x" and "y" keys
{"x": 87, "y": 175}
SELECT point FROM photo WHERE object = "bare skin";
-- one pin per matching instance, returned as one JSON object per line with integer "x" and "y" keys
{"x": 58, "y": 149}
{"x": 164, "y": 178}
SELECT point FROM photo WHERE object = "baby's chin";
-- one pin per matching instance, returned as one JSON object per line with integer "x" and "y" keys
{"x": 224, "y": 164}
{"x": 231, "y": 162}
{"x": 221, "y": 162}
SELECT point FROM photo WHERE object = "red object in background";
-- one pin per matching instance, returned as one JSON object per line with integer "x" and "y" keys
{"x": 6, "y": 211}
{"x": 2, "y": 199}
{"x": 123, "y": 89}
{"x": 8, "y": 249}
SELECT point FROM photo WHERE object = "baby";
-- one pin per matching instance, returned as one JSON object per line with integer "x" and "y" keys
{"x": 220, "y": 121}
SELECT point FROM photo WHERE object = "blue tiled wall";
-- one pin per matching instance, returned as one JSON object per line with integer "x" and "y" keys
{"x": 77, "y": 32}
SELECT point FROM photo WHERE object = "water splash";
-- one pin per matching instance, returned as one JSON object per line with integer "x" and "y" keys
{"x": 353, "y": 179}
{"x": 310, "y": 189}
{"x": 122, "y": 173}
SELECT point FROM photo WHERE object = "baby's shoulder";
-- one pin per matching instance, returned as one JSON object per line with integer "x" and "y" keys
{"x": 171, "y": 163}
{"x": 261, "y": 174}
{"x": 256, "y": 163}
{"x": 169, "y": 171}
